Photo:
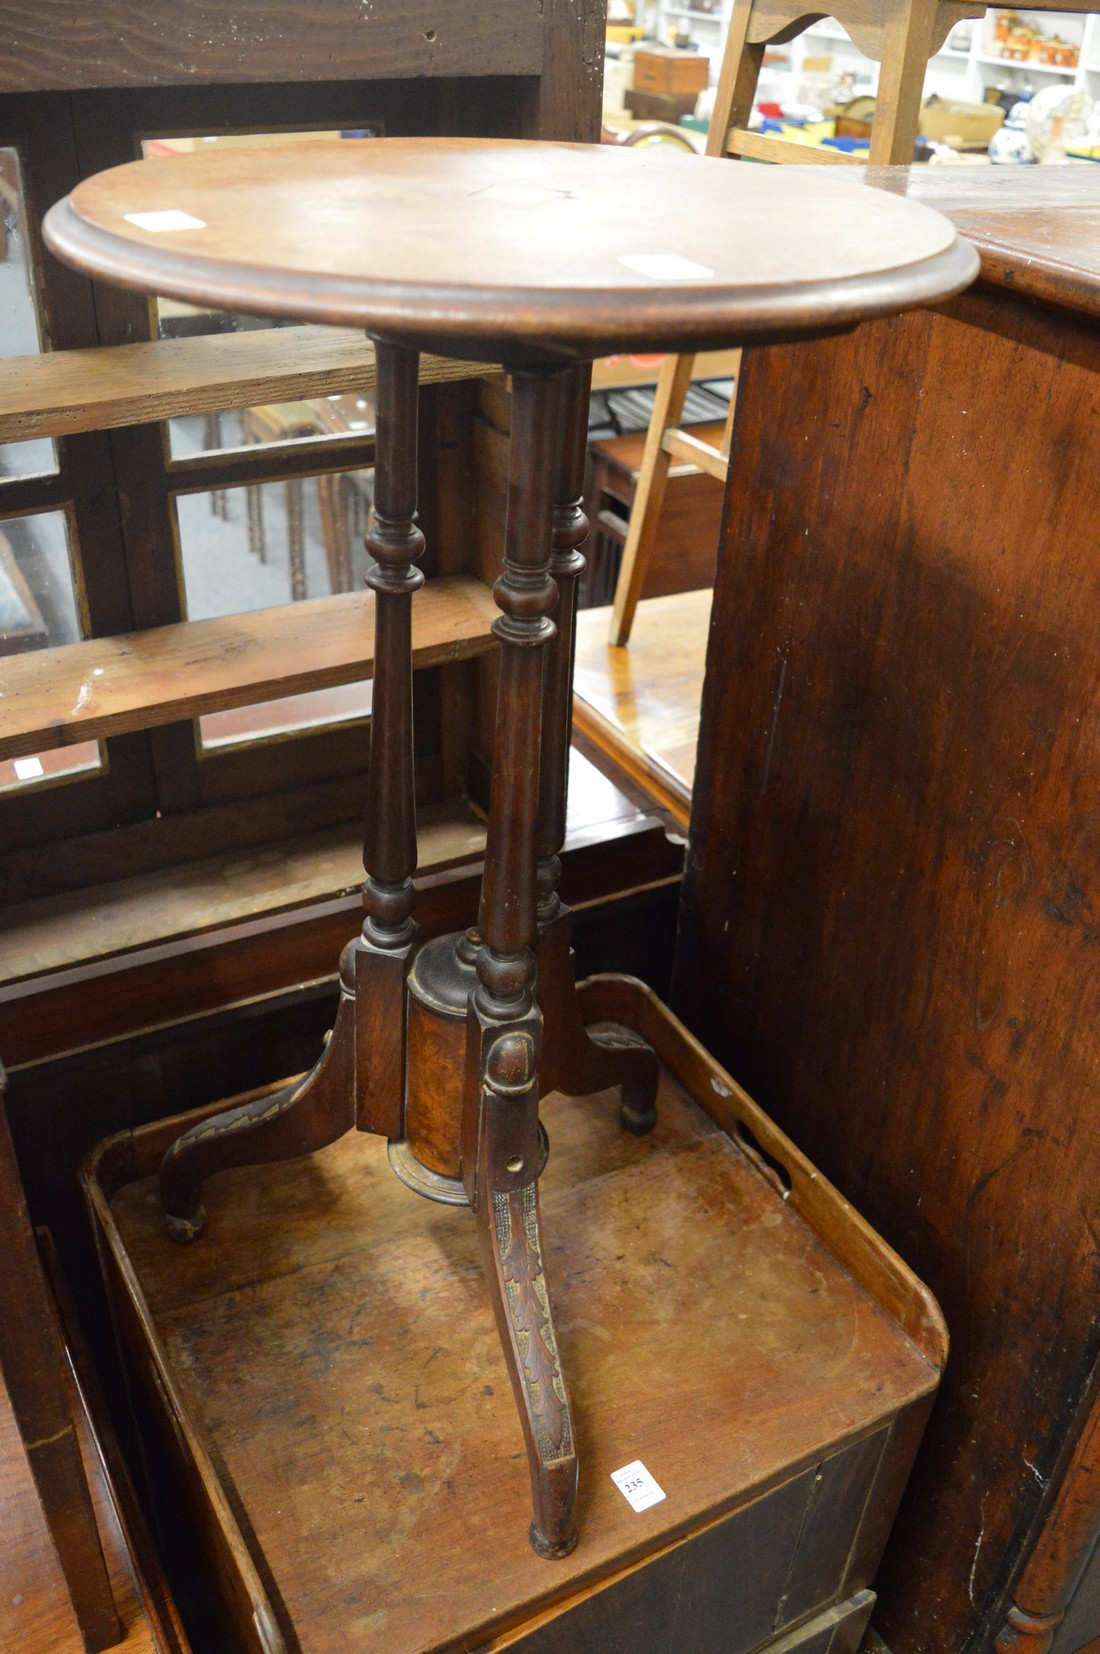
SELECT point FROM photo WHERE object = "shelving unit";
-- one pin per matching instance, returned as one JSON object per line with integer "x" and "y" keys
{"x": 111, "y": 685}
{"x": 957, "y": 71}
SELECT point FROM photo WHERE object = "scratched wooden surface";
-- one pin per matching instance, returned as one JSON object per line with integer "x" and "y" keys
{"x": 1036, "y": 230}
{"x": 332, "y": 1336}
{"x": 891, "y": 887}
{"x": 550, "y": 221}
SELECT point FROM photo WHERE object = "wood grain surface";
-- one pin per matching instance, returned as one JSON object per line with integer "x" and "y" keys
{"x": 890, "y": 890}
{"x": 1035, "y": 229}
{"x": 530, "y": 245}
{"x": 62, "y": 45}
{"x": 106, "y": 686}
{"x": 346, "y": 1374}
{"x": 64, "y": 391}
{"x": 639, "y": 707}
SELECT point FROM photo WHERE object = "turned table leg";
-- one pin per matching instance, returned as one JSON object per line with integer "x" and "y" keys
{"x": 573, "y": 1061}
{"x": 360, "y": 1076}
{"x": 500, "y": 1148}
{"x": 388, "y": 940}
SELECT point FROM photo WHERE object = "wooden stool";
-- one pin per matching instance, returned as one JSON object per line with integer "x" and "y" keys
{"x": 540, "y": 257}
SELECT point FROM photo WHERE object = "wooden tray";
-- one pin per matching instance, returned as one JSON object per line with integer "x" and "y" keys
{"x": 324, "y": 1370}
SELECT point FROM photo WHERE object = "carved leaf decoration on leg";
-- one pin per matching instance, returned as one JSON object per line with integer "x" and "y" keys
{"x": 529, "y": 1304}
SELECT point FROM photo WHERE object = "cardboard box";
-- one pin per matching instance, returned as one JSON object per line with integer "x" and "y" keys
{"x": 962, "y": 125}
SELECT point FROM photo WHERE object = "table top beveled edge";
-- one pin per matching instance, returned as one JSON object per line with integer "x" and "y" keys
{"x": 559, "y": 325}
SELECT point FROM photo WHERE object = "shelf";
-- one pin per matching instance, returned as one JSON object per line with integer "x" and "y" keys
{"x": 1026, "y": 67}
{"x": 700, "y": 16}
{"x": 110, "y": 686}
{"x": 65, "y": 391}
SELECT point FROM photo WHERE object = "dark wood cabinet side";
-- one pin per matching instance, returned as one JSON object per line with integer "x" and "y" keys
{"x": 889, "y": 927}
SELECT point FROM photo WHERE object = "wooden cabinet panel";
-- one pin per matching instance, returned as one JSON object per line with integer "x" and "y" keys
{"x": 891, "y": 887}
{"x": 54, "y": 45}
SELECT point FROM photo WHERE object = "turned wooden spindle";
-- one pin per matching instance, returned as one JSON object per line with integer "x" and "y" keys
{"x": 359, "y": 1078}
{"x": 501, "y": 1147}
{"x": 526, "y": 594}
{"x": 570, "y": 530}
{"x": 395, "y": 542}
{"x": 572, "y": 1061}
{"x": 389, "y": 852}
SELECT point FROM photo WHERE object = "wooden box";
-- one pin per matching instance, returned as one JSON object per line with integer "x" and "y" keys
{"x": 321, "y": 1370}
{"x": 692, "y": 508}
{"x": 665, "y": 69}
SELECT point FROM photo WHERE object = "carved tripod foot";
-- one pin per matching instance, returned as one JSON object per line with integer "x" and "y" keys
{"x": 610, "y": 1057}
{"x": 577, "y": 1060}
{"x": 308, "y": 1115}
{"x": 507, "y": 1207}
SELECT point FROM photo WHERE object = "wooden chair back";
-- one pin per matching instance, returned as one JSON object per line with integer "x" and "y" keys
{"x": 901, "y": 35}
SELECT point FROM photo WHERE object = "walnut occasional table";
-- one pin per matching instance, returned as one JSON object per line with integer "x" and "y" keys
{"x": 540, "y": 257}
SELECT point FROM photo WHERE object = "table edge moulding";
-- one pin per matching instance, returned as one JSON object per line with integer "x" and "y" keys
{"x": 539, "y": 257}
{"x": 601, "y": 294}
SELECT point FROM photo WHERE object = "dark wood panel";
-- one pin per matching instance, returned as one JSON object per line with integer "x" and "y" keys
{"x": 566, "y": 102}
{"x": 889, "y": 927}
{"x": 62, "y": 44}
{"x": 830, "y": 1526}
{"x": 681, "y": 1602}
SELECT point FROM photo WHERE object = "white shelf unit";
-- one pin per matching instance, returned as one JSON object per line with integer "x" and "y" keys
{"x": 953, "y": 72}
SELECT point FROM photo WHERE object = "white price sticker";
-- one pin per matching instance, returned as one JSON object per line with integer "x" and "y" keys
{"x": 666, "y": 267}
{"x": 170, "y": 219}
{"x": 637, "y": 1486}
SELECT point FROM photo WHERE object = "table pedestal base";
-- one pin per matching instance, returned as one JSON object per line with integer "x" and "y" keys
{"x": 489, "y": 1156}
{"x": 446, "y": 1050}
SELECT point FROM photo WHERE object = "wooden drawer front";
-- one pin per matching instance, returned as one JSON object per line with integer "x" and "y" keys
{"x": 838, "y": 1630}
{"x": 734, "y": 1587}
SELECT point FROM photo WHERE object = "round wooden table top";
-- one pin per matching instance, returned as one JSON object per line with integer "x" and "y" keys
{"x": 508, "y": 251}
